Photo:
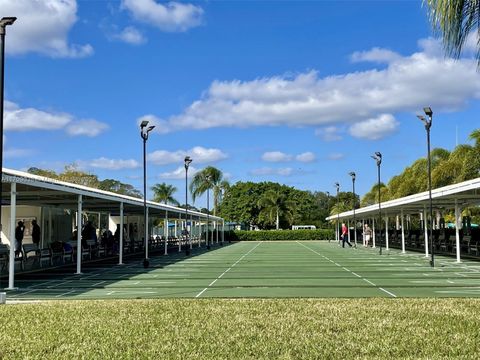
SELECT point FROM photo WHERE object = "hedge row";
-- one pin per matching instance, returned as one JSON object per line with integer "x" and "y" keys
{"x": 269, "y": 235}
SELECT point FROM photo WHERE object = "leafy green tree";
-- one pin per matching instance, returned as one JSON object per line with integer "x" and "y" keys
{"x": 275, "y": 204}
{"x": 118, "y": 187}
{"x": 163, "y": 193}
{"x": 209, "y": 178}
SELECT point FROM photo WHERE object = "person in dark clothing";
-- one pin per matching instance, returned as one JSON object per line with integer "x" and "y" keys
{"x": 35, "y": 232}
{"x": 19, "y": 230}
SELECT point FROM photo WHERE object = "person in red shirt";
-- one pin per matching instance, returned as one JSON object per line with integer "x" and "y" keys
{"x": 345, "y": 236}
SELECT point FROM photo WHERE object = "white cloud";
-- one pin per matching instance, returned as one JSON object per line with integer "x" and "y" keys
{"x": 178, "y": 173}
{"x": 376, "y": 54}
{"x": 375, "y": 128}
{"x": 161, "y": 126}
{"x": 131, "y": 35}
{"x": 276, "y": 156}
{"x": 270, "y": 171}
{"x": 42, "y": 27}
{"x": 90, "y": 128}
{"x": 329, "y": 133}
{"x": 335, "y": 156}
{"x": 113, "y": 164}
{"x": 407, "y": 83}
{"x": 17, "y": 119}
{"x": 10, "y": 153}
{"x": 198, "y": 154}
{"x": 306, "y": 157}
{"x": 171, "y": 16}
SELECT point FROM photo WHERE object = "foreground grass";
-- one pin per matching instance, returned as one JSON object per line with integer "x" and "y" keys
{"x": 242, "y": 329}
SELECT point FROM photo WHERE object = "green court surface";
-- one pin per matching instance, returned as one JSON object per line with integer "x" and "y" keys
{"x": 261, "y": 269}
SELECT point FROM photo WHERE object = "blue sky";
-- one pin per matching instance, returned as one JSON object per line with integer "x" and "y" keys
{"x": 299, "y": 93}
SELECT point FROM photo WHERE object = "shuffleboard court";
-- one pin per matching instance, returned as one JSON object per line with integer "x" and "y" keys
{"x": 262, "y": 269}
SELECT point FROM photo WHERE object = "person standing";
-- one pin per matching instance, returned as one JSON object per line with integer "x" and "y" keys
{"x": 345, "y": 236}
{"x": 367, "y": 234}
{"x": 35, "y": 233}
{"x": 19, "y": 230}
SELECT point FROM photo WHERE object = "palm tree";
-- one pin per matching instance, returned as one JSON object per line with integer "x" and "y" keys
{"x": 164, "y": 193}
{"x": 209, "y": 178}
{"x": 275, "y": 204}
{"x": 455, "y": 19}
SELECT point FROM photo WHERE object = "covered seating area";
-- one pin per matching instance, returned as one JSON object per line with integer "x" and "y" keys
{"x": 403, "y": 221}
{"x": 62, "y": 210}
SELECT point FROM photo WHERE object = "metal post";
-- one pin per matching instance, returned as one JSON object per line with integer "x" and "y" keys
{"x": 79, "y": 236}
{"x": 425, "y": 229}
{"x": 144, "y": 134}
{"x": 378, "y": 158}
{"x": 120, "y": 250}
{"x": 458, "y": 221}
{"x": 13, "y": 212}
{"x": 208, "y": 218}
{"x": 353, "y": 175}
{"x": 337, "y": 185}
{"x": 165, "y": 232}
{"x": 386, "y": 233}
{"x": 187, "y": 162}
{"x": 403, "y": 233}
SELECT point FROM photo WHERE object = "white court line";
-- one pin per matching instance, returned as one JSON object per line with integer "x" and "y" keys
{"x": 98, "y": 283}
{"x": 350, "y": 271}
{"x": 214, "y": 281}
{"x": 65, "y": 293}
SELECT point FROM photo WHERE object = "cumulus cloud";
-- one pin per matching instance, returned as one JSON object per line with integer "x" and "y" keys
{"x": 131, "y": 36}
{"x": 113, "y": 164}
{"x": 276, "y": 156}
{"x": 178, "y": 173}
{"x": 305, "y": 157}
{"x": 10, "y": 153}
{"x": 271, "y": 171}
{"x": 199, "y": 155}
{"x": 376, "y": 54}
{"x": 171, "y": 16}
{"x": 407, "y": 83}
{"x": 18, "y": 119}
{"x": 329, "y": 133}
{"x": 375, "y": 128}
{"x": 90, "y": 128}
{"x": 42, "y": 27}
{"x": 335, "y": 156}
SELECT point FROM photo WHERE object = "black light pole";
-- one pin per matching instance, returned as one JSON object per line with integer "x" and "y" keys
{"x": 428, "y": 124}
{"x": 188, "y": 160}
{"x": 144, "y": 130}
{"x": 208, "y": 178}
{"x": 337, "y": 185}
{"x": 4, "y": 22}
{"x": 353, "y": 175}
{"x": 328, "y": 203}
{"x": 378, "y": 158}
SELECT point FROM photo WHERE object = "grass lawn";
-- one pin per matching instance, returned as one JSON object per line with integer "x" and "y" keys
{"x": 242, "y": 328}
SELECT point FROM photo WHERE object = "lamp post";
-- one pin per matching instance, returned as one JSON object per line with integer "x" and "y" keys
{"x": 188, "y": 160}
{"x": 428, "y": 124}
{"x": 4, "y": 22}
{"x": 328, "y": 203}
{"x": 208, "y": 178}
{"x": 337, "y": 185}
{"x": 378, "y": 158}
{"x": 353, "y": 175}
{"x": 144, "y": 131}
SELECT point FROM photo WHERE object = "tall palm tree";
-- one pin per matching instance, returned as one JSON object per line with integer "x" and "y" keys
{"x": 163, "y": 193}
{"x": 209, "y": 178}
{"x": 455, "y": 19}
{"x": 275, "y": 204}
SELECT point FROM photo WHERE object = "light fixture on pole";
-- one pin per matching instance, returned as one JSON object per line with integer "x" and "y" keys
{"x": 353, "y": 175}
{"x": 4, "y": 22}
{"x": 188, "y": 161}
{"x": 208, "y": 178}
{"x": 428, "y": 124}
{"x": 378, "y": 158}
{"x": 337, "y": 185}
{"x": 144, "y": 131}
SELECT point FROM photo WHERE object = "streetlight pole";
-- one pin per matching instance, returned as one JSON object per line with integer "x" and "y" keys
{"x": 353, "y": 175}
{"x": 188, "y": 160}
{"x": 328, "y": 203}
{"x": 144, "y": 131}
{"x": 337, "y": 185}
{"x": 208, "y": 178}
{"x": 428, "y": 124}
{"x": 378, "y": 158}
{"x": 4, "y": 22}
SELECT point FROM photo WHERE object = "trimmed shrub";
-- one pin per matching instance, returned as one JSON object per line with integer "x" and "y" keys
{"x": 269, "y": 235}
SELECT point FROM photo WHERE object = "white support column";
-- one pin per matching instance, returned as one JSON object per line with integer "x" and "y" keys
{"x": 165, "y": 232}
{"x": 458, "y": 222}
{"x": 191, "y": 231}
{"x": 348, "y": 231}
{"x": 120, "y": 250}
{"x": 13, "y": 241}
{"x": 373, "y": 233}
{"x": 79, "y": 236}
{"x": 223, "y": 231}
{"x": 425, "y": 227}
{"x": 147, "y": 235}
{"x": 179, "y": 238}
{"x": 363, "y": 232}
{"x": 355, "y": 232}
{"x": 403, "y": 233}
{"x": 386, "y": 233}
{"x": 199, "y": 224}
